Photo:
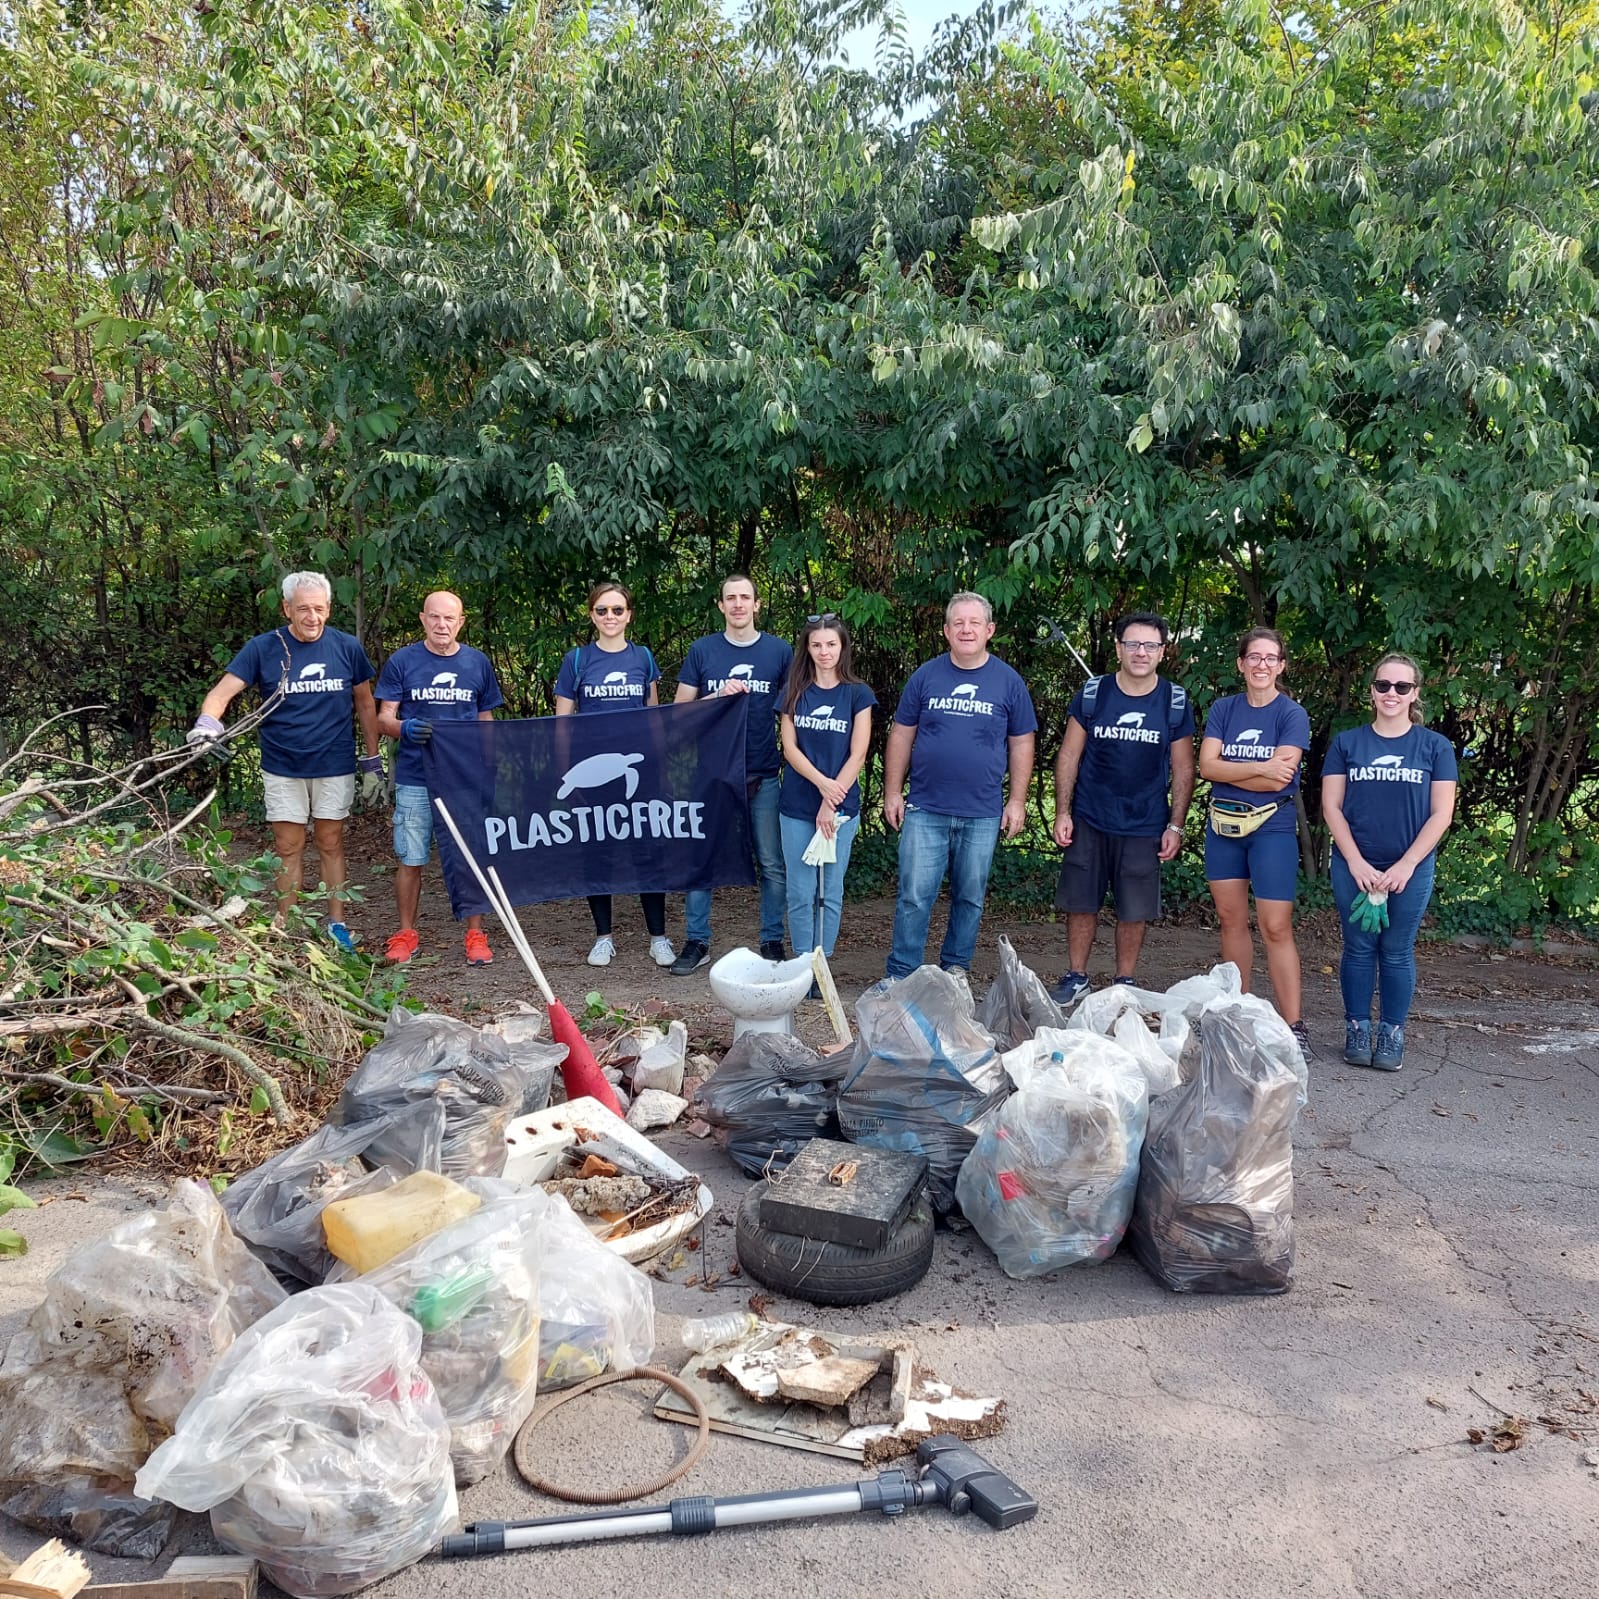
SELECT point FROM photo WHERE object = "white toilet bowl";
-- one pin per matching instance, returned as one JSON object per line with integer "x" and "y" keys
{"x": 760, "y": 993}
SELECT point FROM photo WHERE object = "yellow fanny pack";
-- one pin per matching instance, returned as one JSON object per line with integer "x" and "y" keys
{"x": 1231, "y": 818}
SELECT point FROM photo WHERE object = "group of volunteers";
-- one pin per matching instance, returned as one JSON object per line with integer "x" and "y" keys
{"x": 957, "y": 766}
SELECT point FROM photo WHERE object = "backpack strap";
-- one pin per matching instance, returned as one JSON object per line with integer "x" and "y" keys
{"x": 1176, "y": 707}
{"x": 1090, "y": 695}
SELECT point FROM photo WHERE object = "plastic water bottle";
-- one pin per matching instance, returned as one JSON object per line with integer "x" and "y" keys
{"x": 711, "y": 1332}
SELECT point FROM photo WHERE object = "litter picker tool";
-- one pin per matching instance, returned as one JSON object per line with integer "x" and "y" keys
{"x": 949, "y": 1473}
{"x": 580, "y": 1072}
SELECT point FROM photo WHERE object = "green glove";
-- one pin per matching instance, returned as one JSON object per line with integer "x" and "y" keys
{"x": 1369, "y": 912}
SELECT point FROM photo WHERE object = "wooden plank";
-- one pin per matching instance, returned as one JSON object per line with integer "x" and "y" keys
{"x": 52, "y": 1571}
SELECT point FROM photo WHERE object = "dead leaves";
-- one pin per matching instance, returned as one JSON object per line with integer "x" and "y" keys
{"x": 1511, "y": 1433}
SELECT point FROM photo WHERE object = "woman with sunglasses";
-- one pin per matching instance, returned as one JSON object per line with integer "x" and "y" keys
{"x": 826, "y": 725}
{"x": 612, "y": 674}
{"x": 1388, "y": 794}
{"x": 1250, "y": 754}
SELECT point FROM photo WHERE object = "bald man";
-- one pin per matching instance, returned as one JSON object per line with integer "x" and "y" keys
{"x": 438, "y": 679}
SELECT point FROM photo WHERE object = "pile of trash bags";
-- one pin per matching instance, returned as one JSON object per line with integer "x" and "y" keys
{"x": 770, "y": 1097}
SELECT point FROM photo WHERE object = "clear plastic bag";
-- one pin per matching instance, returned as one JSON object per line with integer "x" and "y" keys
{"x": 597, "y": 1310}
{"x": 1017, "y": 1003}
{"x": 1119, "y": 1013}
{"x": 526, "y": 1034}
{"x": 1052, "y": 1178}
{"x": 426, "y": 1056}
{"x": 277, "y": 1208}
{"x": 129, "y": 1327}
{"x": 473, "y": 1288}
{"x": 924, "y": 1077}
{"x": 1215, "y": 1206}
{"x": 317, "y": 1444}
{"x": 770, "y": 1097}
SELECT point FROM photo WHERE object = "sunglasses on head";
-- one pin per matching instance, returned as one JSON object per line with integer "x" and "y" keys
{"x": 822, "y": 619}
{"x": 610, "y": 610}
{"x": 1387, "y": 685}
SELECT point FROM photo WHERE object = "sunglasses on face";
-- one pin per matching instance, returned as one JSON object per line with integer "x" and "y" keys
{"x": 822, "y": 619}
{"x": 1385, "y": 685}
{"x": 610, "y": 610}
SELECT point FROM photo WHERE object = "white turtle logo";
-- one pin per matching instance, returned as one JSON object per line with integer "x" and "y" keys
{"x": 964, "y": 691}
{"x": 1389, "y": 760}
{"x": 315, "y": 669}
{"x": 1131, "y": 719}
{"x": 444, "y": 677}
{"x": 1248, "y": 736}
{"x": 742, "y": 670}
{"x": 823, "y": 710}
{"x": 614, "y": 677}
{"x": 598, "y": 770}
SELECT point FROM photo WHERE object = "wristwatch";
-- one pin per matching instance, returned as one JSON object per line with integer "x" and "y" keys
{"x": 1171, "y": 827}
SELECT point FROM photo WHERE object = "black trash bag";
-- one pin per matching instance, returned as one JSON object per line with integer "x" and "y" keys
{"x": 924, "y": 1077}
{"x": 1017, "y": 1004}
{"x": 770, "y": 1097}
{"x": 277, "y": 1208}
{"x": 1215, "y": 1206}
{"x": 426, "y": 1056}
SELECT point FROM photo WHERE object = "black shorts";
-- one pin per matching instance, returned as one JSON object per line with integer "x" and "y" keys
{"x": 1097, "y": 861}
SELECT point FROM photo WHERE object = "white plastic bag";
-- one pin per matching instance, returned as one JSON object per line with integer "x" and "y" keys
{"x": 317, "y": 1444}
{"x": 1051, "y": 1180}
{"x": 1118, "y": 1013}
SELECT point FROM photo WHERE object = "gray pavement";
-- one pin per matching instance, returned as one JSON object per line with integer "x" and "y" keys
{"x": 1310, "y": 1444}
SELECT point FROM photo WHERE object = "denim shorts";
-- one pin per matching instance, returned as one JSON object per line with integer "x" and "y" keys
{"x": 413, "y": 824}
{"x": 1269, "y": 858}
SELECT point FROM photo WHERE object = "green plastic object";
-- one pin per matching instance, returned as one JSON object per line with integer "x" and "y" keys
{"x": 442, "y": 1304}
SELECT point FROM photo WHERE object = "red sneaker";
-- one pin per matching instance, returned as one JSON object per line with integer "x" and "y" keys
{"x": 401, "y": 946}
{"x": 478, "y": 952}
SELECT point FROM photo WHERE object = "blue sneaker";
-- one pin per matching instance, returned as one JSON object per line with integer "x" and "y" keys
{"x": 342, "y": 936}
{"x": 1069, "y": 988}
{"x": 1357, "y": 1043}
{"x": 1388, "y": 1054}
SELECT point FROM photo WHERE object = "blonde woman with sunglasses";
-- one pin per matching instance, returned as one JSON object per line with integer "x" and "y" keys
{"x": 1388, "y": 795}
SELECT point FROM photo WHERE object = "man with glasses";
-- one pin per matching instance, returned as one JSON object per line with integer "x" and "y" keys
{"x": 964, "y": 722}
{"x": 1129, "y": 739}
{"x": 743, "y": 660}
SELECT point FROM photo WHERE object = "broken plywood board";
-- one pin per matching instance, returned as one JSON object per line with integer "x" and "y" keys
{"x": 52, "y": 1571}
{"x": 188, "y": 1577}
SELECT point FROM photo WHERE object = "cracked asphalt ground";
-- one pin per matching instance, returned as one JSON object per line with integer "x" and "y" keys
{"x": 1316, "y": 1443}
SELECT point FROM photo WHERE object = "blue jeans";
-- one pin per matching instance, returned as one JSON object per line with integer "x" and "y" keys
{"x": 768, "y": 837}
{"x": 802, "y": 928}
{"x": 1387, "y": 958}
{"x": 929, "y": 845}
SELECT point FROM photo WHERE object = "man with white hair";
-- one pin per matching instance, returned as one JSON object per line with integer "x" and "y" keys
{"x": 964, "y": 724}
{"x": 308, "y": 762}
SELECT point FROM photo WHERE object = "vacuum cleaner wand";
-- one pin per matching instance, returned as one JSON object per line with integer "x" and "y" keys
{"x": 952, "y": 1474}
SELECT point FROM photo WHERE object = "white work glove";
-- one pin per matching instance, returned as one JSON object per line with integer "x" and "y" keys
{"x": 206, "y": 730}
{"x": 372, "y": 785}
{"x": 821, "y": 851}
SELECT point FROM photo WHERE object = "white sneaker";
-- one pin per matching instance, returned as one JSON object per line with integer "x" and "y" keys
{"x": 603, "y": 952}
{"x": 661, "y": 951}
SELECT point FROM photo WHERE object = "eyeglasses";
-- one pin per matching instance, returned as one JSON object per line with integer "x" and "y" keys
{"x": 1384, "y": 685}
{"x": 1261, "y": 660}
{"x": 610, "y": 610}
{"x": 822, "y": 619}
{"x": 1142, "y": 646}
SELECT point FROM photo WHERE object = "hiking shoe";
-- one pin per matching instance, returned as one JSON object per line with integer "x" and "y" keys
{"x": 604, "y": 950}
{"x": 1129, "y": 981}
{"x": 1388, "y": 1053}
{"x": 1302, "y": 1038}
{"x": 1357, "y": 1042}
{"x": 478, "y": 952}
{"x": 694, "y": 955}
{"x": 1069, "y": 988}
{"x": 401, "y": 946}
{"x": 343, "y": 937}
{"x": 661, "y": 951}
{"x": 772, "y": 950}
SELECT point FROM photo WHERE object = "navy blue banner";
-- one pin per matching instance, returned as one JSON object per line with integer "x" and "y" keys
{"x": 631, "y": 802}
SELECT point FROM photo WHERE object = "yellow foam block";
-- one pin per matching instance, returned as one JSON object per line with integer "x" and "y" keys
{"x": 370, "y": 1229}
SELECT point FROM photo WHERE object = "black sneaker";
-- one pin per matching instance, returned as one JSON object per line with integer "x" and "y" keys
{"x": 694, "y": 955}
{"x": 1065, "y": 992}
{"x": 772, "y": 950}
{"x": 1302, "y": 1038}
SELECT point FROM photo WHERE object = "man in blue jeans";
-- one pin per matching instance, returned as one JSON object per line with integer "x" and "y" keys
{"x": 742, "y": 660}
{"x": 964, "y": 721}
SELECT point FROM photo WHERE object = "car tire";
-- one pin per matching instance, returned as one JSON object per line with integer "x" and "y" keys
{"x": 824, "y": 1273}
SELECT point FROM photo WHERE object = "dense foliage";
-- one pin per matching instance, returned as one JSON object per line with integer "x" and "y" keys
{"x": 1247, "y": 314}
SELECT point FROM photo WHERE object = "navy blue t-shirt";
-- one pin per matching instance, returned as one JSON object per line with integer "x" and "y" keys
{"x": 824, "y": 722}
{"x": 964, "y": 721}
{"x": 1388, "y": 785}
{"x": 310, "y": 733}
{"x": 436, "y": 688}
{"x": 1124, "y": 780}
{"x": 763, "y": 663}
{"x": 607, "y": 680}
{"x": 1255, "y": 733}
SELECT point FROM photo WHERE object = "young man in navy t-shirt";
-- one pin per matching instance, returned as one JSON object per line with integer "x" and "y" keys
{"x": 964, "y": 722}
{"x": 308, "y": 761}
{"x": 742, "y": 660}
{"x": 437, "y": 679}
{"x": 1128, "y": 735}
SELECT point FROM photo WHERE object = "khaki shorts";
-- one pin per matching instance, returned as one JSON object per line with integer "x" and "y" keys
{"x": 303, "y": 799}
